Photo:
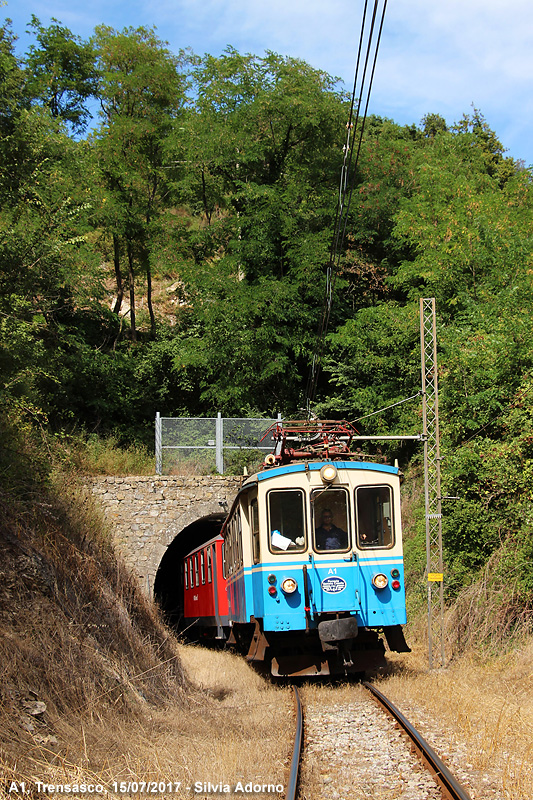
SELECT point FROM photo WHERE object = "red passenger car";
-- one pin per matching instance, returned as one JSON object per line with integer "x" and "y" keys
{"x": 204, "y": 586}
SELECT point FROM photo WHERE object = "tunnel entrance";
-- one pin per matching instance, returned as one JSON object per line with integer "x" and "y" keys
{"x": 168, "y": 586}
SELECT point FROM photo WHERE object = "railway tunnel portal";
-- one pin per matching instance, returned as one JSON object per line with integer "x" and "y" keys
{"x": 156, "y": 520}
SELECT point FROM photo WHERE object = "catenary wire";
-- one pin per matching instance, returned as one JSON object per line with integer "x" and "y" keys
{"x": 348, "y": 173}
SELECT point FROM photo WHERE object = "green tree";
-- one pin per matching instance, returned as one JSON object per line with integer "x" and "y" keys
{"x": 385, "y": 177}
{"x": 11, "y": 77}
{"x": 433, "y": 124}
{"x": 483, "y": 138}
{"x": 46, "y": 266}
{"x": 263, "y": 143}
{"x": 141, "y": 93}
{"x": 464, "y": 232}
{"x": 241, "y": 347}
{"x": 60, "y": 73}
{"x": 373, "y": 362}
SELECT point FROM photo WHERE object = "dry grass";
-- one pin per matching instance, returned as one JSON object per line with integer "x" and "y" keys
{"x": 493, "y": 613}
{"x": 247, "y": 736}
{"x": 477, "y": 713}
{"x": 231, "y": 728}
{"x": 92, "y": 687}
{"x": 104, "y": 456}
{"x": 81, "y": 650}
{"x": 189, "y": 467}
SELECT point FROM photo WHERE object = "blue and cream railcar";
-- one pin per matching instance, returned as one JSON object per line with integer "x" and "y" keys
{"x": 314, "y": 566}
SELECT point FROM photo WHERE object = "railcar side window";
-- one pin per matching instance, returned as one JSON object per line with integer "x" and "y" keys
{"x": 209, "y": 573}
{"x": 238, "y": 538}
{"x": 374, "y": 516}
{"x": 186, "y": 571}
{"x": 331, "y": 520}
{"x": 202, "y": 566}
{"x": 228, "y": 551}
{"x": 286, "y": 521}
{"x": 196, "y": 576}
{"x": 256, "y": 547}
{"x": 191, "y": 581}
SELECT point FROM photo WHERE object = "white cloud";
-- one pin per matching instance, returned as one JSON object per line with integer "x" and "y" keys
{"x": 434, "y": 56}
{"x": 443, "y": 57}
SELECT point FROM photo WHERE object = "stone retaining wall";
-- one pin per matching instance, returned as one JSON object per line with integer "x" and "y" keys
{"x": 147, "y": 512}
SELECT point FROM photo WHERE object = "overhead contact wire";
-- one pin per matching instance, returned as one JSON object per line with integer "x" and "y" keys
{"x": 364, "y": 119}
{"x": 354, "y": 171}
{"x": 343, "y": 208}
{"x": 345, "y": 169}
{"x": 338, "y": 238}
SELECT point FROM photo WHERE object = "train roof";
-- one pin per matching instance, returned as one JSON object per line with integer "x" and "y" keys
{"x": 199, "y": 547}
{"x": 312, "y": 466}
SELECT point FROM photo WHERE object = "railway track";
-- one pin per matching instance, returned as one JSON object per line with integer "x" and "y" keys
{"x": 352, "y": 751}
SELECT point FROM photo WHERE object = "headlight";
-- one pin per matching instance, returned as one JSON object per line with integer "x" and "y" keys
{"x": 328, "y": 473}
{"x": 380, "y": 581}
{"x": 289, "y": 585}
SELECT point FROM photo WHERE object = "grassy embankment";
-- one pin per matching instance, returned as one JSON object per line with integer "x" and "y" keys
{"x": 94, "y": 688}
{"x": 478, "y": 711}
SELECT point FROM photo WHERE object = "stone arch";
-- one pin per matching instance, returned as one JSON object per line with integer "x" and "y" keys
{"x": 149, "y": 514}
{"x": 194, "y": 513}
{"x": 168, "y": 582}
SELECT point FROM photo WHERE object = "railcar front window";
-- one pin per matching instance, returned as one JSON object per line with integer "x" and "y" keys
{"x": 286, "y": 521}
{"x": 374, "y": 516}
{"x": 331, "y": 515}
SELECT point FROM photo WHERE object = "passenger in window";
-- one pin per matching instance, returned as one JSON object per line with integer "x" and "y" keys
{"x": 328, "y": 536}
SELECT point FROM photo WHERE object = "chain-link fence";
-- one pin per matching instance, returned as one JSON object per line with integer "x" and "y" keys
{"x": 202, "y": 445}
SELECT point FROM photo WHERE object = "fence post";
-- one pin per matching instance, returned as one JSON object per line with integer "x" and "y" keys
{"x": 158, "y": 443}
{"x": 219, "y": 442}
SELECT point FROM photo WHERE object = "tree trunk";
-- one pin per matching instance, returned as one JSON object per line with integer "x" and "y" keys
{"x": 118, "y": 274}
{"x": 148, "y": 268}
{"x": 204, "y": 199}
{"x": 149, "y": 295}
{"x": 131, "y": 280}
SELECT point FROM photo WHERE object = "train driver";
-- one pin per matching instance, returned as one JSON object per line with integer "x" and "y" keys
{"x": 328, "y": 536}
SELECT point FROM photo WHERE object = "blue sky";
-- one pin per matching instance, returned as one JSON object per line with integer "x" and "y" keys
{"x": 435, "y": 57}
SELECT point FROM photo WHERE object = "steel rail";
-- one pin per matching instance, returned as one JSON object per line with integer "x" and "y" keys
{"x": 451, "y": 788}
{"x": 292, "y": 786}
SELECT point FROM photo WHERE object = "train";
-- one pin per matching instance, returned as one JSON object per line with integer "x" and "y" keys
{"x": 306, "y": 576}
